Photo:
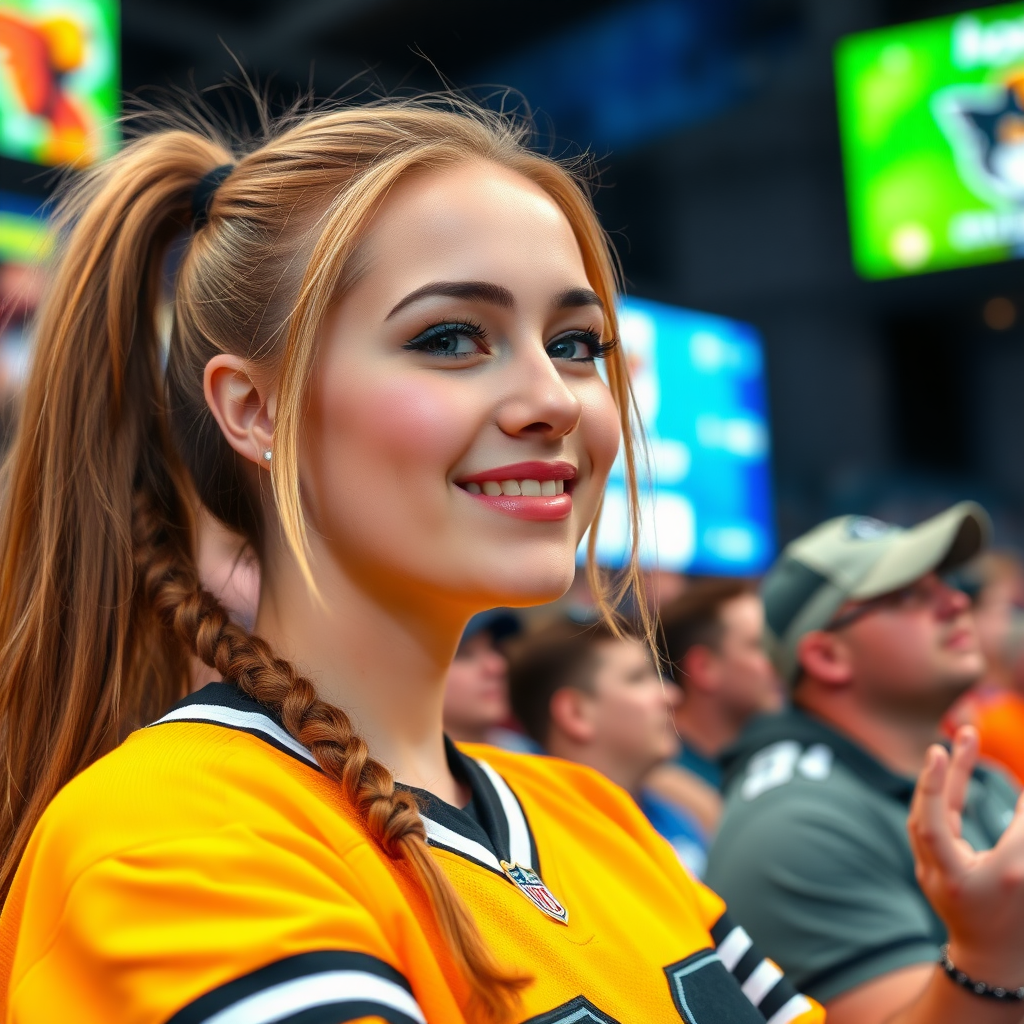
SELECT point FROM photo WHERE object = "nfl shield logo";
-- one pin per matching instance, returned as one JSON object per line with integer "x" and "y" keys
{"x": 529, "y": 884}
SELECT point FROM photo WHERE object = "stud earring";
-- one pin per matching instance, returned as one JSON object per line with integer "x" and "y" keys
{"x": 267, "y": 455}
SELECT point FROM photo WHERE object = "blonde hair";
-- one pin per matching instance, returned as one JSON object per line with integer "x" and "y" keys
{"x": 100, "y": 600}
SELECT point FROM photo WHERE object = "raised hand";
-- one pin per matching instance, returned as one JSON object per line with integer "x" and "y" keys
{"x": 978, "y": 895}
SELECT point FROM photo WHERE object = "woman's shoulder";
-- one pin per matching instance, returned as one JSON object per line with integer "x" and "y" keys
{"x": 184, "y": 864}
{"x": 216, "y": 758}
{"x": 558, "y": 785}
{"x": 542, "y": 769}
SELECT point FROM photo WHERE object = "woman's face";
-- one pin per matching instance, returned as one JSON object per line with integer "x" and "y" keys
{"x": 458, "y": 370}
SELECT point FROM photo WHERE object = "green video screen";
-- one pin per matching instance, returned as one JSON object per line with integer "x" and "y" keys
{"x": 932, "y": 122}
{"x": 59, "y": 80}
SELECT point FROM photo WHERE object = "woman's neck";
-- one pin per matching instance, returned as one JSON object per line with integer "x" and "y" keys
{"x": 376, "y": 650}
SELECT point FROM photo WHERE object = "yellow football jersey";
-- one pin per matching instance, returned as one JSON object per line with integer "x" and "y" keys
{"x": 207, "y": 872}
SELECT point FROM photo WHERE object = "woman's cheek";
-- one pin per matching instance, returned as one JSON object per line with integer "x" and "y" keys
{"x": 599, "y": 425}
{"x": 412, "y": 421}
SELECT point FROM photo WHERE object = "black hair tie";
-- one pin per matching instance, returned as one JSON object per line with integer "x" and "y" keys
{"x": 202, "y": 197}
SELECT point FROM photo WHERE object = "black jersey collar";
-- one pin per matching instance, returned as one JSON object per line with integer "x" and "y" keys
{"x": 225, "y": 704}
{"x": 492, "y": 830}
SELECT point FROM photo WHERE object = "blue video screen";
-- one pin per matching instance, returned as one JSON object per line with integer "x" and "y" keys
{"x": 706, "y": 501}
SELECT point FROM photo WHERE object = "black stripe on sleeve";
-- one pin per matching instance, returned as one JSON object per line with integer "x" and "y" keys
{"x": 323, "y": 987}
{"x": 722, "y": 927}
{"x": 349, "y": 1011}
{"x": 777, "y": 998}
{"x": 748, "y": 962}
{"x": 779, "y": 994}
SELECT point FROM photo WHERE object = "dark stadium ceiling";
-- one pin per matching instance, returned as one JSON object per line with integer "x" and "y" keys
{"x": 396, "y": 41}
{"x": 169, "y": 41}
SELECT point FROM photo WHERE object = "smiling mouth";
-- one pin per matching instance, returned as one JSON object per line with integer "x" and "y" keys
{"x": 517, "y": 488}
{"x": 541, "y": 491}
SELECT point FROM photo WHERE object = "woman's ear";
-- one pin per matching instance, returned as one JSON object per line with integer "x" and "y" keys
{"x": 243, "y": 408}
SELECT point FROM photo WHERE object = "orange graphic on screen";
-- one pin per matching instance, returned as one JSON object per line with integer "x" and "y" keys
{"x": 39, "y": 56}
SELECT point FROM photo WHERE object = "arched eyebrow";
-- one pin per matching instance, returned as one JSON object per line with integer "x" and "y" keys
{"x": 576, "y": 298}
{"x": 495, "y": 294}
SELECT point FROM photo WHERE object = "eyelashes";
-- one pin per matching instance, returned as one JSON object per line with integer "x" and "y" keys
{"x": 600, "y": 349}
{"x": 461, "y": 339}
{"x": 453, "y": 339}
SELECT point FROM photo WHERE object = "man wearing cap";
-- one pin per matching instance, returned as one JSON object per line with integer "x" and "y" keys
{"x": 816, "y": 856}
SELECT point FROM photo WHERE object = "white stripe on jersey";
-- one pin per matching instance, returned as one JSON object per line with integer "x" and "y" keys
{"x": 763, "y": 978}
{"x": 292, "y": 997}
{"x": 733, "y": 947}
{"x": 518, "y": 831}
{"x": 441, "y": 836}
{"x": 239, "y": 720}
{"x": 791, "y": 1010}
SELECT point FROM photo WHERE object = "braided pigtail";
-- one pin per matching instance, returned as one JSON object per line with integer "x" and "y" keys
{"x": 171, "y": 586}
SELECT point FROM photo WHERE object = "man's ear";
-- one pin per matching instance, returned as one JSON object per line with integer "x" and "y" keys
{"x": 824, "y": 657}
{"x": 243, "y": 408}
{"x": 571, "y": 713}
{"x": 700, "y": 669}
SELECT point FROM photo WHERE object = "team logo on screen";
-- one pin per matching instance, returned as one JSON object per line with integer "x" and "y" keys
{"x": 984, "y": 124}
{"x": 529, "y": 884}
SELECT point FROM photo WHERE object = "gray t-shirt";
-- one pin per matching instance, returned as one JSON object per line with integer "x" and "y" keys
{"x": 813, "y": 858}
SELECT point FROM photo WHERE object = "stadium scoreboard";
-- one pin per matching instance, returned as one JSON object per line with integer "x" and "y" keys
{"x": 931, "y": 118}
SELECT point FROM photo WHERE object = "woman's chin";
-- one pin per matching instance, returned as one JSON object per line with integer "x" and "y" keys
{"x": 511, "y": 589}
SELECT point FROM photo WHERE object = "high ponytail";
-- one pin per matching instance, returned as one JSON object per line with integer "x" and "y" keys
{"x": 101, "y": 604}
{"x": 82, "y": 662}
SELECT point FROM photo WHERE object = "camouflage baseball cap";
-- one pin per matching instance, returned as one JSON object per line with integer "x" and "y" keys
{"x": 853, "y": 558}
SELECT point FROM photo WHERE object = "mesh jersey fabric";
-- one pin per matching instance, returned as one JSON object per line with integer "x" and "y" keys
{"x": 207, "y": 872}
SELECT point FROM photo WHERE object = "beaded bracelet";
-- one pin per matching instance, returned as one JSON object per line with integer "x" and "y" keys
{"x": 979, "y": 988}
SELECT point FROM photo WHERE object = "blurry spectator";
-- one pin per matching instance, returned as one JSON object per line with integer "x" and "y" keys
{"x": 995, "y": 705}
{"x": 714, "y": 641}
{"x": 662, "y": 587}
{"x": 713, "y": 637}
{"x": 476, "y": 706}
{"x": 813, "y": 854}
{"x": 588, "y": 696}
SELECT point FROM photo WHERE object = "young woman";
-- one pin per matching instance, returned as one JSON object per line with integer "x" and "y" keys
{"x": 382, "y": 371}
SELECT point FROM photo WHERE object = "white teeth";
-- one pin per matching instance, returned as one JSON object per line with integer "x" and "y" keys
{"x": 515, "y": 488}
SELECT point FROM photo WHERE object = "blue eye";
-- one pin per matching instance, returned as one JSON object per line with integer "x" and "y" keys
{"x": 579, "y": 347}
{"x": 454, "y": 339}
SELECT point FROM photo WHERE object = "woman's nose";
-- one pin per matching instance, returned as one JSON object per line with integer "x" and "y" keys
{"x": 538, "y": 400}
